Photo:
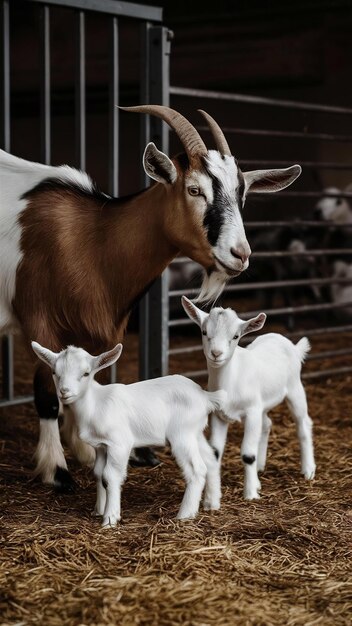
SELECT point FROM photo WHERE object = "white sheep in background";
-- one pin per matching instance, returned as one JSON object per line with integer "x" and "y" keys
{"x": 257, "y": 379}
{"x": 116, "y": 418}
{"x": 342, "y": 293}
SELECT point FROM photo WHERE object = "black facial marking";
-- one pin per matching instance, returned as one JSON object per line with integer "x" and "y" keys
{"x": 248, "y": 459}
{"x": 216, "y": 453}
{"x": 240, "y": 190}
{"x": 215, "y": 214}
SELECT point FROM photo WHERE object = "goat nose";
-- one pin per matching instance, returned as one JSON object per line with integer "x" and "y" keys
{"x": 216, "y": 353}
{"x": 64, "y": 390}
{"x": 241, "y": 253}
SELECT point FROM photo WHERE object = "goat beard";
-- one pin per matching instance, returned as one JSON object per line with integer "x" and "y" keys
{"x": 212, "y": 287}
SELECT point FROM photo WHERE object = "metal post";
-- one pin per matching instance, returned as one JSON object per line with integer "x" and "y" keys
{"x": 114, "y": 125}
{"x": 7, "y": 341}
{"x": 80, "y": 92}
{"x": 154, "y": 308}
{"x": 45, "y": 114}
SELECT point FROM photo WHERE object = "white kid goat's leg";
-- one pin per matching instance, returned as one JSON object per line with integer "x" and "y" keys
{"x": 114, "y": 474}
{"x": 83, "y": 452}
{"x": 99, "y": 467}
{"x": 189, "y": 459}
{"x": 249, "y": 453}
{"x": 263, "y": 443}
{"x": 297, "y": 403}
{"x": 218, "y": 435}
{"x": 212, "y": 493}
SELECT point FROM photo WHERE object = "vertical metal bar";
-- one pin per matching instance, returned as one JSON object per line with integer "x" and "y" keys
{"x": 5, "y": 76}
{"x": 113, "y": 110}
{"x": 154, "y": 313}
{"x": 114, "y": 124}
{"x": 80, "y": 91}
{"x": 45, "y": 100}
{"x": 5, "y": 139}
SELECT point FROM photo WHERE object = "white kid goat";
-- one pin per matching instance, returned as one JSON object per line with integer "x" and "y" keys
{"x": 116, "y": 418}
{"x": 257, "y": 379}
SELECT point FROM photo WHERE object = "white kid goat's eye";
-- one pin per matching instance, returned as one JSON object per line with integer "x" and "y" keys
{"x": 194, "y": 191}
{"x": 236, "y": 337}
{"x": 204, "y": 332}
{"x": 86, "y": 374}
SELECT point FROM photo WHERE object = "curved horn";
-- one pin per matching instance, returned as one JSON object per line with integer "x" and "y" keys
{"x": 217, "y": 134}
{"x": 188, "y": 135}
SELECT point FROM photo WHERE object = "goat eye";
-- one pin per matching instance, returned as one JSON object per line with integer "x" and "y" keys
{"x": 235, "y": 337}
{"x": 204, "y": 332}
{"x": 86, "y": 374}
{"x": 194, "y": 191}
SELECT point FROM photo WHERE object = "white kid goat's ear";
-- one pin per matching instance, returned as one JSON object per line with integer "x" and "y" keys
{"x": 45, "y": 354}
{"x": 158, "y": 166}
{"x": 268, "y": 181}
{"x": 196, "y": 315}
{"x": 107, "y": 358}
{"x": 254, "y": 324}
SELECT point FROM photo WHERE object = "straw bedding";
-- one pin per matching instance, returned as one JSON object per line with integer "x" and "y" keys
{"x": 285, "y": 559}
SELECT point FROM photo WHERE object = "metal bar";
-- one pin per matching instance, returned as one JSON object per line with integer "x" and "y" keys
{"x": 310, "y": 194}
{"x": 281, "y": 133}
{"x": 296, "y": 334}
{"x": 308, "y": 376}
{"x": 15, "y": 400}
{"x": 273, "y": 312}
{"x": 112, "y": 7}
{"x": 275, "y": 102}
{"x": 80, "y": 92}
{"x": 286, "y": 253}
{"x": 154, "y": 308}
{"x": 268, "y": 285}
{"x": 7, "y": 356}
{"x": 296, "y": 224}
{"x": 325, "y": 373}
{"x": 305, "y": 164}
{"x": 329, "y": 354}
{"x": 45, "y": 114}
{"x": 5, "y": 75}
{"x": 114, "y": 126}
{"x": 113, "y": 110}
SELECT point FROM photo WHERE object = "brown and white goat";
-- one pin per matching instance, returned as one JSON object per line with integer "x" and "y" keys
{"x": 73, "y": 260}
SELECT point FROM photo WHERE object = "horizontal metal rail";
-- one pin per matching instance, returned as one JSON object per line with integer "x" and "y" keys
{"x": 272, "y": 102}
{"x": 306, "y": 308}
{"x": 289, "y": 134}
{"x": 275, "y": 284}
{"x": 288, "y": 253}
{"x": 15, "y": 401}
{"x": 305, "y": 164}
{"x": 312, "y": 332}
{"x": 306, "y": 376}
{"x": 123, "y": 9}
{"x": 328, "y": 225}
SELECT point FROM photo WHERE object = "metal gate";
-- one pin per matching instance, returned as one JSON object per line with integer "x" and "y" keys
{"x": 154, "y": 88}
{"x": 328, "y": 329}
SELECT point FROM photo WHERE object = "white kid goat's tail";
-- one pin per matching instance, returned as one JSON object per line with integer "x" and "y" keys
{"x": 217, "y": 400}
{"x": 303, "y": 347}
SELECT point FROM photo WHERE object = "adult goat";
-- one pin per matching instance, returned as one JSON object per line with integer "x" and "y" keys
{"x": 74, "y": 260}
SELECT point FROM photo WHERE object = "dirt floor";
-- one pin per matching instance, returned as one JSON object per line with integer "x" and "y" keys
{"x": 283, "y": 560}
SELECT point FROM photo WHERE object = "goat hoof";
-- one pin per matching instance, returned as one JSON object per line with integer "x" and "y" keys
{"x": 184, "y": 516}
{"x": 252, "y": 496}
{"x": 309, "y": 474}
{"x": 211, "y": 506}
{"x": 110, "y": 521}
{"x": 63, "y": 481}
{"x": 144, "y": 457}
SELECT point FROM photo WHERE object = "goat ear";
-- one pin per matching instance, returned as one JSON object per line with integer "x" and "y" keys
{"x": 254, "y": 324}
{"x": 107, "y": 358}
{"x": 44, "y": 354}
{"x": 196, "y": 315}
{"x": 158, "y": 166}
{"x": 268, "y": 181}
